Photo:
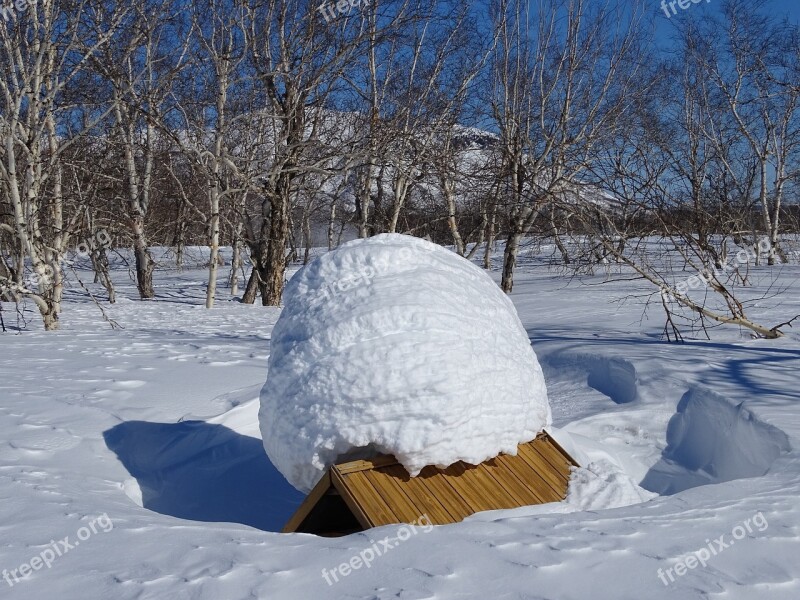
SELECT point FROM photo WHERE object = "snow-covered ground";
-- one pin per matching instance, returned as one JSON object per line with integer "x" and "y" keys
{"x": 131, "y": 464}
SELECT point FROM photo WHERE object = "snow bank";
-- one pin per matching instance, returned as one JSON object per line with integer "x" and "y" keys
{"x": 601, "y": 485}
{"x": 396, "y": 345}
{"x": 712, "y": 439}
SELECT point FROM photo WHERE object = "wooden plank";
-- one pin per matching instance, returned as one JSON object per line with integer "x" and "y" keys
{"x": 548, "y": 484}
{"x": 379, "y": 491}
{"x": 420, "y": 495}
{"x": 544, "y": 470}
{"x": 465, "y": 488}
{"x": 366, "y": 465}
{"x": 560, "y": 466}
{"x": 393, "y": 495}
{"x": 379, "y": 511}
{"x": 316, "y": 494}
{"x": 437, "y": 483}
{"x": 528, "y": 478}
{"x": 560, "y": 448}
{"x": 554, "y": 456}
{"x": 506, "y": 481}
{"x": 478, "y": 488}
{"x": 352, "y": 503}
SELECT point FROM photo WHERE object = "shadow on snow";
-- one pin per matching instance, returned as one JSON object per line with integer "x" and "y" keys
{"x": 204, "y": 472}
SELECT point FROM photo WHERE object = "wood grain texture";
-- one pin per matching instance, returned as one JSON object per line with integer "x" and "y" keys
{"x": 379, "y": 491}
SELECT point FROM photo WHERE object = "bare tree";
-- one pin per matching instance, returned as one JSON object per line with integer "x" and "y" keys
{"x": 44, "y": 51}
{"x": 563, "y": 73}
{"x": 220, "y": 53}
{"x": 748, "y": 64}
{"x": 140, "y": 67}
{"x": 669, "y": 168}
{"x": 299, "y": 60}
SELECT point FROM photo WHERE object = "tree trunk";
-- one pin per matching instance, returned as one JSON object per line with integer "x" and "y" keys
{"x": 331, "y": 221}
{"x": 144, "y": 261}
{"x": 557, "y": 237}
{"x": 236, "y": 260}
{"x": 213, "y": 264}
{"x": 510, "y": 261}
{"x": 272, "y": 291}
{"x": 362, "y": 202}
{"x": 258, "y": 257}
{"x": 448, "y": 187}
{"x": 102, "y": 275}
{"x": 179, "y": 239}
{"x": 49, "y": 316}
{"x": 251, "y": 291}
{"x": 306, "y": 233}
{"x": 400, "y": 193}
{"x": 51, "y": 290}
{"x": 491, "y": 228}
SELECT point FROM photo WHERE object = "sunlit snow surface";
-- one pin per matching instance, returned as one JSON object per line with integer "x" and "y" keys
{"x": 396, "y": 345}
{"x": 156, "y": 426}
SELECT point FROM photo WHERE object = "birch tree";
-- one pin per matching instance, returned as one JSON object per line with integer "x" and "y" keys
{"x": 218, "y": 27}
{"x": 299, "y": 60}
{"x": 749, "y": 64}
{"x": 44, "y": 51}
{"x": 564, "y": 71}
{"x": 141, "y": 67}
{"x": 669, "y": 168}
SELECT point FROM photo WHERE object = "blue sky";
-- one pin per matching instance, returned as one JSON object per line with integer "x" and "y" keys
{"x": 791, "y": 6}
{"x": 776, "y": 7}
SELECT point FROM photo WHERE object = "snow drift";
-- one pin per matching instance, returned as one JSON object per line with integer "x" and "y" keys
{"x": 711, "y": 439}
{"x": 395, "y": 345}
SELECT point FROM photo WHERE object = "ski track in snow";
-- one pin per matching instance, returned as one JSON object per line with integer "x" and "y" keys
{"x": 156, "y": 426}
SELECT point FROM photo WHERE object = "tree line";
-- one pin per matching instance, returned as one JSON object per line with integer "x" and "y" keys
{"x": 267, "y": 125}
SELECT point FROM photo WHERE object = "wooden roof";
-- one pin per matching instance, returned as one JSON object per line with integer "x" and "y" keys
{"x": 368, "y": 493}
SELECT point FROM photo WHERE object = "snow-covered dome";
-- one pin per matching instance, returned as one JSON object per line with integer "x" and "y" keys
{"x": 395, "y": 345}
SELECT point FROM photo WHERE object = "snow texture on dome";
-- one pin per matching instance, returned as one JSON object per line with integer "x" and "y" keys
{"x": 395, "y": 345}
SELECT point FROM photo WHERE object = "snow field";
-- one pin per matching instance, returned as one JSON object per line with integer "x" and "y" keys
{"x": 165, "y": 411}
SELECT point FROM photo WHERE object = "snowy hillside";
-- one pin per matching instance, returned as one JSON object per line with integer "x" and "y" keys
{"x": 132, "y": 465}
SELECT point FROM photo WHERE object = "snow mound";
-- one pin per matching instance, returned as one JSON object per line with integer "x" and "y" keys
{"x": 602, "y": 485}
{"x": 396, "y": 345}
{"x": 713, "y": 439}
